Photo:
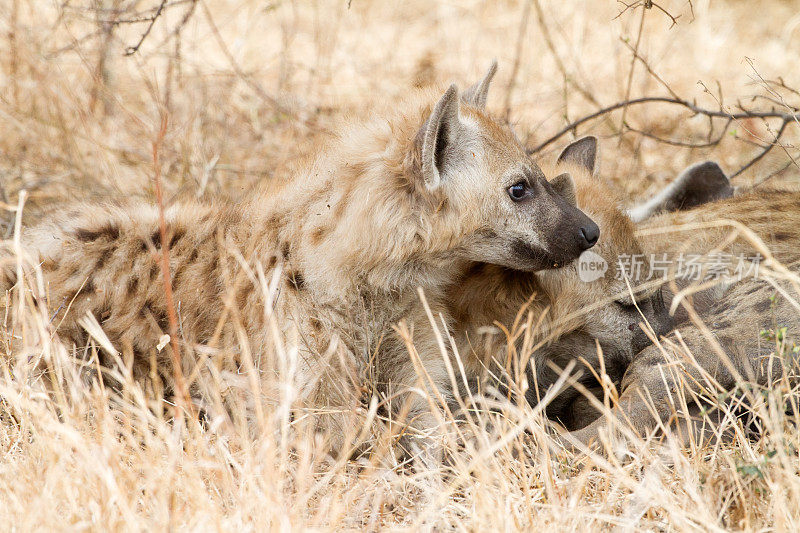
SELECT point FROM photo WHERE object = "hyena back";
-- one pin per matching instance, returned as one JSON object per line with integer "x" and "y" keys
{"x": 386, "y": 208}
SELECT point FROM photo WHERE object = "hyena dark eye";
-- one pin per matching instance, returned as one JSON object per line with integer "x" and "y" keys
{"x": 518, "y": 191}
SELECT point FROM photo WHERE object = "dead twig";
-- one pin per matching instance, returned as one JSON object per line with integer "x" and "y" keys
{"x": 649, "y": 4}
{"x": 557, "y": 58}
{"x": 135, "y": 48}
{"x": 695, "y": 109}
{"x": 646, "y": 65}
{"x": 785, "y": 118}
{"x": 629, "y": 83}
{"x": 766, "y": 149}
{"x": 685, "y": 144}
{"x": 238, "y": 69}
{"x": 142, "y": 17}
{"x": 14, "y": 53}
{"x": 523, "y": 27}
{"x": 183, "y": 400}
{"x": 773, "y": 174}
{"x": 782, "y": 84}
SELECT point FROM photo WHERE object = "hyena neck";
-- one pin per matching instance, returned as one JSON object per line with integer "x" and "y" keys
{"x": 354, "y": 222}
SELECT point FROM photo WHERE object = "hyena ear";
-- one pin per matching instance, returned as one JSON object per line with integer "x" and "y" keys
{"x": 437, "y": 137}
{"x": 477, "y": 94}
{"x": 699, "y": 184}
{"x": 565, "y": 187}
{"x": 582, "y": 153}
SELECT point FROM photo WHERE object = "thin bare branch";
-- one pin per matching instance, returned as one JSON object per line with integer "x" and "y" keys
{"x": 763, "y": 152}
{"x": 649, "y": 4}
{"x": 773, "y": 174}
{"x": 135, "y": 48}
{"x": 659, "y": 99}
{"x": 238, "y": 69}
{"x": 685, "y": 144}
{"x": 667, "y": 13}
{"x": 543, "y": 27}
{"x": 649, "y": 69}
{"x": 629, "y": 83}
{"x": 183, "y": 400}
{"x": 523, "y": 28}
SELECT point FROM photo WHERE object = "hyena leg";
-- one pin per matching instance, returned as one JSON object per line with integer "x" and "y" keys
{"x": 581, "y": 411}
{"x": 421, "y": 413}
{"x": 755, "y": 329}
{"x": 700, "y": 426}
{"x": 657, "y": 384}
{"x": 417, "y": 387}
{"x": 7, "y": 275}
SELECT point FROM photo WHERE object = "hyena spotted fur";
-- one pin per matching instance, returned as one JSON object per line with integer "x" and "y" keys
{"x": 740, "y": 338}
{"x": 556, "y": 312}
{"x": 747, "y": 345}
{"x": 404, "y": 202}
{"x": 573, "y": 318}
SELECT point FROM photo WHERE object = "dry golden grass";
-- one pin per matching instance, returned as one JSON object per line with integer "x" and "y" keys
{"x": 249, "y": 87}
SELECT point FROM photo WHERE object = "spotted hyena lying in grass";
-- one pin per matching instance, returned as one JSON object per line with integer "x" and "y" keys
{"x": 574, "y": 315}
{"x": 402, "y": 202}
{"x": 745, "y": 332}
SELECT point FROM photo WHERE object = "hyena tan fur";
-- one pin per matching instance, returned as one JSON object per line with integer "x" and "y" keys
{"x": 728, "y": 344}
{"x": 569, "y": 315}
{"x": 573, "y": 317}
{"x": 398, "y": 204}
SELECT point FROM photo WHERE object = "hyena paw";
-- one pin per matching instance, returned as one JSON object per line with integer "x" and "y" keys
{"x": 424, "y": 453}
{"x": 422, "y": 444}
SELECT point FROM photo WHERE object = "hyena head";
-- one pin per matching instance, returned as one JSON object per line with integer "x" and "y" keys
{"x": 481, "y": 180}
{"x": 609, "y": 307}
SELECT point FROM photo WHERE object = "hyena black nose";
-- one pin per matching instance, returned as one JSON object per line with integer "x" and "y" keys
{"x": 590, "y": 234}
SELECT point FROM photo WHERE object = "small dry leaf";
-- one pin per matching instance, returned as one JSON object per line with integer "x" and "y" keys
{"x": 162, "y": 341}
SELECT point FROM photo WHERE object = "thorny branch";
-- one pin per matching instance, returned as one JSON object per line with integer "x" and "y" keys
{"x": 135, "y": 48}
{"x": 127, "y": 15}
{"x": 786, "y": 114}
{"x": 649, "y": 4}
{"x": 784, "y": 117}
{"x": 695, "y": 109}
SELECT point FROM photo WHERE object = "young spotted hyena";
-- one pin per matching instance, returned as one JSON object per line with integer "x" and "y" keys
{"x": 740, "y": 337}
{"x": 399, "y": 203}
{"x": 571, "y": 310}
